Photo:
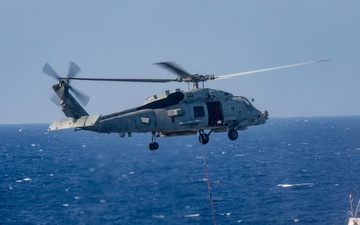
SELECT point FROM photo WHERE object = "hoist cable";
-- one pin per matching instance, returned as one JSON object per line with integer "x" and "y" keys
{"x": 208, "y": 183}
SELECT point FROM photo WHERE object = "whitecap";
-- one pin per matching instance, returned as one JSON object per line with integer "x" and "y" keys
{"x": 192, "y": 215}
{"x": 293, "y": 185}
{"x": 284, "y": 185}
{"x": 65, "y": 205}
{"x": 159, "y": 216}
{"x": 27, "y": 179}
{"x": 132, "y": 172}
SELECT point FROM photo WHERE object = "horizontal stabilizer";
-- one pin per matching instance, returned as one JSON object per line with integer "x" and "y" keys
{"x": 84, "y": 121}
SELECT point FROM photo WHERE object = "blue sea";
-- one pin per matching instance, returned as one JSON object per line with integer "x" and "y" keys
{"x": 288, "y": 171}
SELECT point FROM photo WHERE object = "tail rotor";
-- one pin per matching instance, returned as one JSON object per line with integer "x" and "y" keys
{"x": 65, "y": 81}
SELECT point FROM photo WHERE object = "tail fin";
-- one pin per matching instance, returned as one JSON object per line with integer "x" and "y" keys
{"x": 69, "y": 105}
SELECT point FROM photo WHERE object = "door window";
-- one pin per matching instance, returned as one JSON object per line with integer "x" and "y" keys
{"x": 199, "y": 111}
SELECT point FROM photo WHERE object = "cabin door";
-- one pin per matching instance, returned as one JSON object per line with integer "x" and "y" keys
{"x": 215, "y": 113}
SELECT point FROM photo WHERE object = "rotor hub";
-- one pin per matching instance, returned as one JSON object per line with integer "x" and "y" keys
{"x": 63, "y": 82}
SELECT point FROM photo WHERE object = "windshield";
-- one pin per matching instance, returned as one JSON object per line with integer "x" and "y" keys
{"x": 248, "y": 104}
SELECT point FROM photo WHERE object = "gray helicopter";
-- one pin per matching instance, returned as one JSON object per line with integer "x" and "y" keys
{"x": 173, "y": 113}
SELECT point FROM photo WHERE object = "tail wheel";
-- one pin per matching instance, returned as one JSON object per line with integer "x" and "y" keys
{"x": 233, "y": 134}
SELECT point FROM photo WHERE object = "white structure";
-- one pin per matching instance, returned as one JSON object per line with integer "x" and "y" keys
{"x": 353, "y": 219}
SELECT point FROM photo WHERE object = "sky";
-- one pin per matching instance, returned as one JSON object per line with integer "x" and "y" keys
{"x": 124, "y": 38}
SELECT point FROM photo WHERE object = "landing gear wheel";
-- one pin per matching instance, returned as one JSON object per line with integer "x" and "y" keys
{"x": 233, "y": 134}
{"x": 154, "y": 146}
{"x": 203, "y": 138}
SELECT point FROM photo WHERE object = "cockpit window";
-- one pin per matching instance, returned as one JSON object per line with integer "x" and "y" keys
{"x": 248, "y": 105}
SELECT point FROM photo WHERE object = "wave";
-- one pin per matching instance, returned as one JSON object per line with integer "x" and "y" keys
{"x": 193, "y": 215}
{"x": 296, "y": 185}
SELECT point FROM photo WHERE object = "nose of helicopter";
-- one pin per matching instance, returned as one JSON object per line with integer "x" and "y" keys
{"x": 263, "y": 116}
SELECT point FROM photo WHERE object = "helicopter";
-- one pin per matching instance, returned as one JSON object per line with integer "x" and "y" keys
{"x": 173, "y": 113}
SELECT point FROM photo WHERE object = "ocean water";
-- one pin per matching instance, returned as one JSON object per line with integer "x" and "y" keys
{"x": 288, "y": 171}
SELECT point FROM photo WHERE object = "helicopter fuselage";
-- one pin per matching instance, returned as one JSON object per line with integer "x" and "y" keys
{"x": 184, "y": 112}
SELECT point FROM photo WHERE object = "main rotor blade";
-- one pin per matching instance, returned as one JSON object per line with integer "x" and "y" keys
{"x": 47, "y": 69}
{"x": 267, "y": 69}
{"x": 83, "y": 98}
{"x": 126, "y": 79}
{"x": 73, "y": 70}
{"x": 175, "y": 69}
